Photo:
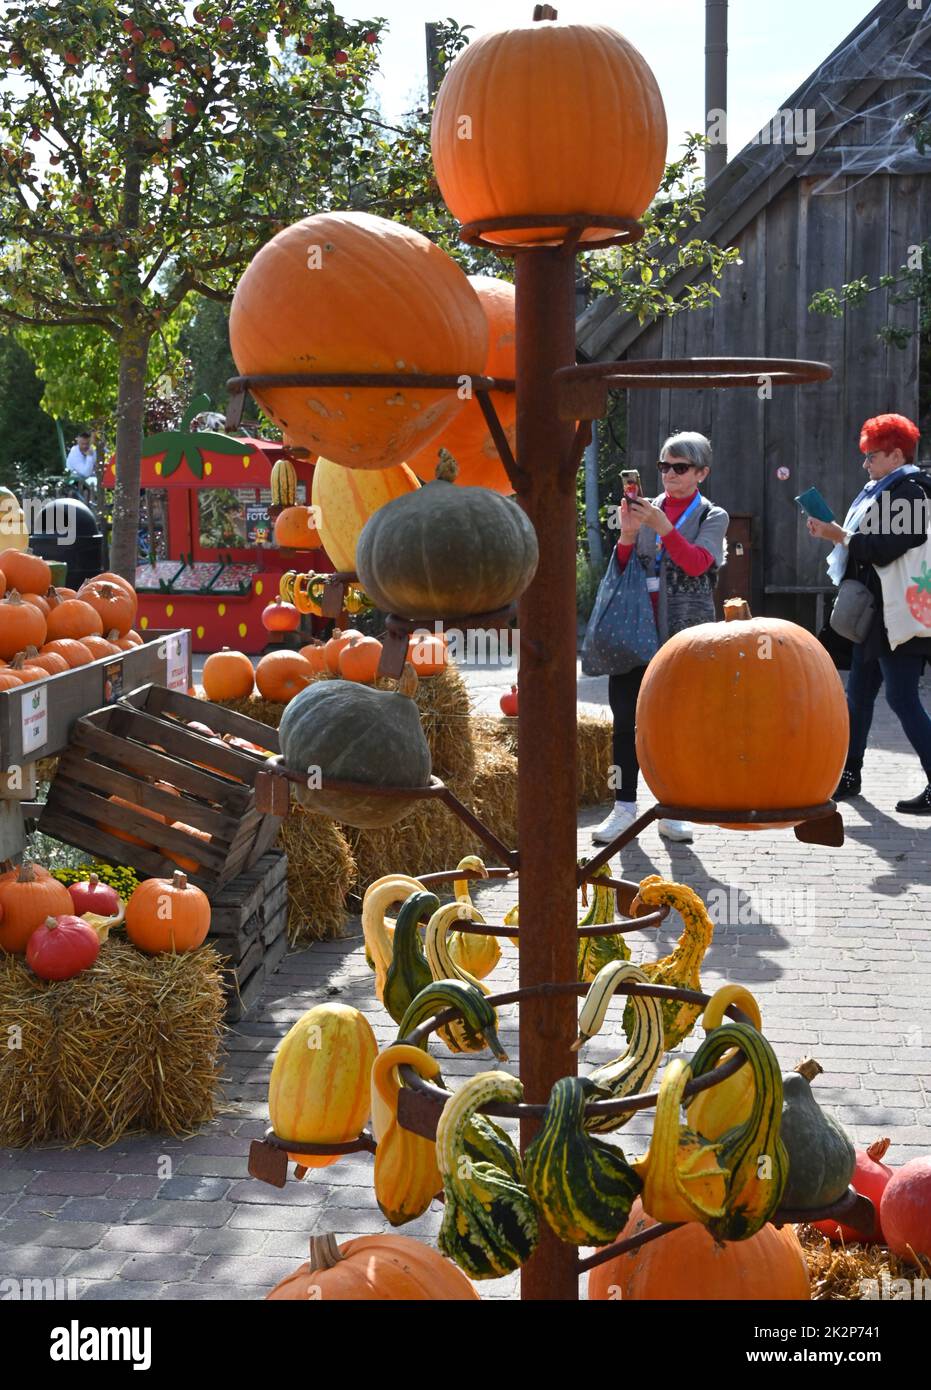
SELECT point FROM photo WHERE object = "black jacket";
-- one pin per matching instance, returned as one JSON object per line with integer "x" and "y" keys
{"x": 870, "y": 546}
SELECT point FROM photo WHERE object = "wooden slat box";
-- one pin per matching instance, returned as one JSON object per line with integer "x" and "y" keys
{"x": 127, "y": 749}
{"x": 249, "y": 928}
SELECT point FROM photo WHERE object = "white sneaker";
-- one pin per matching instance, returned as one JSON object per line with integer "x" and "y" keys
{"x": 622, "y": 815}
{"x": 676, "y": 830}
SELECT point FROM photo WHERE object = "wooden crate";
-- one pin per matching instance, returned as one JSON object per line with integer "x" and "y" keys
{"x": 129, "y": 747}
{"x": 249, "y": 928}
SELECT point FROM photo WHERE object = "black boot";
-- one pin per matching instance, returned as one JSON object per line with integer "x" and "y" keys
{"x": 848, "y": 786}
{"x": 919, "y": 805}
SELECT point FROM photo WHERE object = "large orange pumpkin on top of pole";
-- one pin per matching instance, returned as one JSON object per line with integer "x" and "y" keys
{"x": 349, "y": 292}
{"x": 467, "y": 436}
{"x": 759, "y": 718}
{"x": 548, "y": 118}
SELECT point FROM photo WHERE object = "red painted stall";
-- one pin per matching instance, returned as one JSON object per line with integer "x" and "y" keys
{"x": 214, "y": 563}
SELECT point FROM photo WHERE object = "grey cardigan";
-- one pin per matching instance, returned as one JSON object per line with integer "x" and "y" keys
{"x": 685, "y": 600}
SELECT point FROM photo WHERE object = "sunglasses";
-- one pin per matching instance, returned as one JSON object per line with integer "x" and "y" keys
{"x": 677, "y": 468}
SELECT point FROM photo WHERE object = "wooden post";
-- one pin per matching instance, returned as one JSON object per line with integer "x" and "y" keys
{"x": 545, "y": 313}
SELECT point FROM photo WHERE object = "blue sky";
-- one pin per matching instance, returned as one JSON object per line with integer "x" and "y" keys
{"x": 773, "y": 46}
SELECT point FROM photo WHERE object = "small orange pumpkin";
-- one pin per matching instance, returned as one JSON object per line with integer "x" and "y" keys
{"x": 358, "y": 660}
{"x": 9, "y": 680}
{"x": 337, "y": 642}
{"x": 115, "y": 608}
{"x": 38, "y": 602}
{"x": 21, "y": 625}
{"x": 26, "y": 899}
{"x": 132, "y": 639}
{"x": 74, "y": 652}
{"x": 380, "y": 1269}
{"x": 228, "y": 675}
{"x": 99, "y": 647}
{"x": 294, "y": 529}
{"x": 279, "y": 616}
{"x": 74, "y": 617}
{"x": 315, "y": 654}
{"x": 428, "y": 653}
{"x": 281, "y": 675}
{"x": 167, "y": 914}
{"x": 26, "y": 572}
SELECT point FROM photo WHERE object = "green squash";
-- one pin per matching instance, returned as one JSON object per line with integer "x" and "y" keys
{"x": 408, "y": 972}
{"x": 822, "y": 1158}
{"x": 473, "y": 1031}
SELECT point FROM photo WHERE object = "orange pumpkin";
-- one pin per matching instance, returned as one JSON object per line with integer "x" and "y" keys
{"x": 52, "y": 662}
{"x": 228, "y": 675}
{"x": 23, "y": 666}
{"x": 467, "y": 436}
{"x": 350, "y": 292}
{"x": 108, "y": 577}
{"x": 2, "y": 582}
{"x": 771, "y": 710}
{"x": 38, "y": 602}
{"x": 295, "y": 530}
{"x": 428, "y": 653}
{"x": 25, "y": 572}
{"x": 375, "y": 1269}
{"x": 279, "y": 616}
{"x": 190, "y": 866}
{"x": 564, "y": 118}
{"x": 100, "y": 646}
{"x": 61, "y": 592}
{"x": 73, "y": 617}
{"x": 9, "y": 680}
{"x": 21, "y": 624}
{"x": 125, "y": 834}
{"x": 281, "y": 675}
{"x": 358, "y": 660}
{"x": 26, "y": 899}
{"x": 115, "y": 608}
{"x": 132, "y": 639}
{"x": 167, "y": 914}
{"x": 315, "y": 654}
{"x": 687, "y": 1264}
{"x": 335, "y": 645}
{"x": 74, "y": 652}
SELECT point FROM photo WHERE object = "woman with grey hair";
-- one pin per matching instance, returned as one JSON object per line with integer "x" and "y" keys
{"x": 678, "y": 538}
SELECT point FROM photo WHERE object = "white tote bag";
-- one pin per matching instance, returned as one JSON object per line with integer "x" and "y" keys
{"x": 906, "y": 585}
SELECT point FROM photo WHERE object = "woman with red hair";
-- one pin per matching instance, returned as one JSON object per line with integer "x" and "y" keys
{"x": 876, "y": 532}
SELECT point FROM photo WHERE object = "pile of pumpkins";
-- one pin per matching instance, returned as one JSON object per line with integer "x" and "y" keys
{"x": 45, "y": 631}
{"x": 280, "y": 675}
{"x": 60, "y": 930}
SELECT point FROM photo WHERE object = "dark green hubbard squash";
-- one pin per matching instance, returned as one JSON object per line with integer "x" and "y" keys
{"x": 446, "y": 551}
{"x": 352, "y": 733}
{"x": 821, "y": 1157}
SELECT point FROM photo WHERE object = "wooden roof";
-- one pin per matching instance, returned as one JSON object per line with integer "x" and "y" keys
{"x": 890, "y": 43}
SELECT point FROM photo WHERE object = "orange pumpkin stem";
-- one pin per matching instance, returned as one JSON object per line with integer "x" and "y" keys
{"x": 447, "y": 468}
{"x": 324, "y": 1252}
{"x": 877, "y": 1150}
{"x": 27, "y": 873}
{"x": 809, "y": 1068}
{"x": 179, "y": 880}
{"x": 736, "y": 608}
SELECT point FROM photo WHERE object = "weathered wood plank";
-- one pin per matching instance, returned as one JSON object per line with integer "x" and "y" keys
{"x": 780, "y": 534}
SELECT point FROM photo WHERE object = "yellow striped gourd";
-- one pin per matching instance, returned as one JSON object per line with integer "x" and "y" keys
{"x": 597, "y": 951}
{"x": 631, "y": 1072}
{"x": 682, "y": 1177}
{"x": 681, "y": 967}
{"x": 284, "y": 484}
{"x": 477, "y": 955}
{"x": 730, "y": 1102}
{"x": 408, "y": 971}
{"x": 379, "y": 935}
{"x": 406, "y": 1176}
{"x": 477, "y": 1028}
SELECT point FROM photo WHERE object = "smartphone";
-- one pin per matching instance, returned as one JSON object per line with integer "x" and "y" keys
{"x": 814, "y": 505}
{"x": 630, "y": 481}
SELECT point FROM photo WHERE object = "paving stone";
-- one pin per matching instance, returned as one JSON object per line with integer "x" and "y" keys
{"x": 36, "y": 1261}
{"x": 225, "y": 1240}
{"x": 225, "y": 1293}
{"x": 149, "y": 1239}
{"x": 171, "y": 1213}
{"x": 72, "y": 1184}
{"x": 171, "y": 1267}
{"x": 245, "y": 1269}
{"x": 133, "y": 1186}
{"x": 95, "y": 1264}
{"x": 195, "y": 1189}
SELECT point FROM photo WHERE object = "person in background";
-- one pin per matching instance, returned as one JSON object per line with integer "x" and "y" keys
{"x": 869, "y": 538}
{"x": 82, "y": 459}
{"x": 679, "y": 538}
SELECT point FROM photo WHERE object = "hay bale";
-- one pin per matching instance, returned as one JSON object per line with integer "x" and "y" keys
{"x": 429, "y": 839}
{"x": 132, "y": 1044}
{"x": 321, "y": 872}
{"x": 594, "y": 752}
{"x": 838, "y": 1271}
{"x": 494, "y": 788}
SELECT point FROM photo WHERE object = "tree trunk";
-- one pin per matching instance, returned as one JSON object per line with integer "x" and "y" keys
{"x": 124, "y": 544}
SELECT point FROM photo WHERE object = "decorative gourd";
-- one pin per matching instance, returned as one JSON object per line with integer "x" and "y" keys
{"x": 24, "y": 571}
{"x": 61, "y": 947}
{"x": 345, "y": 498}
{"x": 21, "y": 624}
{"x": 631, "y": 1072}
{"x": 476, "y": 955}
{"x": 406, "y": 1176}
{"x": 90, "y": 895}
{"x": 359, "y": 660}
{"x": 27, "y": 897}
{"x": 320, "y": 1086}
{"x": 752, "y": 1153}
{"x": 681, "y": 967}
{"x": 348, "y": 732}
{"x": 228, "y": 675}
{"x": 764, "y": 747}
{"x": 583, "y": 1186}
{"x": 682, "y": 1177}
{"x": 477, "y": 1024}
{"x": 379, "y": 298}
{"x": 282, "y": 675}
{"x": 442, "y": 966}
{"x": 408, "y": 972}
{"x": 447, "y": 552}
{"x": 283, "y": 483}
{"x": 730, "y": 1102}
{"x": 280, "y": 617}
{"x": 428, "y": 654}
{"x": 597, "y": 951}
{"x": 379, "y": 896}
{"x": 489, "y": 1223}
{"x": 905, "y": 1212}
{"x": 467, "y": 436}
{"x": 113, "y": 605}
{"x": 689, "y": 1264}
{"x": 870, "y": 1178}
{"x": 374, "y": 1269}
{"x": 821, "y": 1156}
{"x": 516, "y": 87}
{"x": 74, "y": 617}
{"x": 295, "y": 529}
{"x": 167, "y": 914}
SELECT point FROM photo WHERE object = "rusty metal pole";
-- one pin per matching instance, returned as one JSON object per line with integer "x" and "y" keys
{"x": 546, "y": 777}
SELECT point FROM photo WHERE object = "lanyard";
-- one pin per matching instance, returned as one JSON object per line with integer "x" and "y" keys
{"x": 695, "y": 502}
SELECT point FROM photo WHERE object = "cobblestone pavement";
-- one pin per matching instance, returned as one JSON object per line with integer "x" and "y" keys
{"x": 835, "y": 944}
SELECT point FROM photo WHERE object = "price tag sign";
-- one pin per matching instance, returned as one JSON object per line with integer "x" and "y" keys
{"x": 176, "y": 661}
{"x": 35, "y": 718}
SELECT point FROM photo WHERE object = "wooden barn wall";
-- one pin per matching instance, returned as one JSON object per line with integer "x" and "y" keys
{"x": 803, "y": 241}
